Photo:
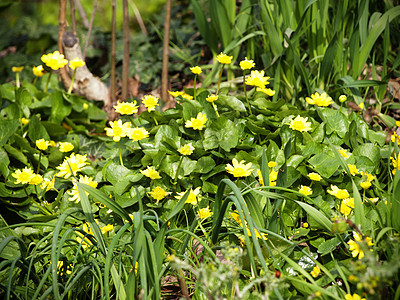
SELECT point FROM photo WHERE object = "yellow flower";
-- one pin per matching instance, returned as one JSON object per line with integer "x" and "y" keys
{"x": 365, "y": 185}
{"x": 273, "y": 175}
{"x": 54, "y": 60}
{"x": 395, "y": 138}
{"x": 300, "y": 124}
{"x": 361, "y": 105}
{"x": 76, "y": 63}
{"x": 374, "y": 200}
{"x": 196, "y": 70}
{"x": 239, "y": 169}
{"x": 74, "y": 192}
{"x": 272, "y": 164}
{"x": 186, "y": 149}
{"x": 395, "y": 163}
{"x": 53, "y": 144}
{"x": 159, "y": 193}
{"x": 344, "y": 153}
{"x": 236, "y": 217}
{"x": 346, "y": 206}
{"x": 224, "y": 59}
{"x": 192, "y": 198}
{"x": 48, "y": 184}
{"x": 204, "y": 213}
{"x": 342, "y": 98}
{"x": 66, "y": 147}
{"x": 315, "y": 272}
{"x": 38, "y": 71}
{"x": 354, "y": 297}
{"x": 151, "y": 173}
{"x": 398, "y": 123}
{"x": 306, "y": 225}
{"x": 338, "y": 193}
{"x": 266, "y": 91}
{"x": 314, "y": 176}
{"x": 212, "y": 98}
{"x": 36, "y": 179}
{"x": 17, "y": 69}
{"x": 257, "y": 79}
{"x": 23, "y": 176}
{"x": 126, "y": 108}
{"x": 150, "y": 102}
{"x": 80, "y": 237}
{"x": 305, "y": 190}
{"x": 74, "y": 163}
{"x": 42, "y": 144}
{"x": 197, "y": 123}
{"x": 319, "y": 100}
{"x": 138, "y": 133}
{"x": 187, "y": 96}
{"x": 369, "y": 176}
{"x": 24, "y": 121}
{"x": 353, "y": 169}
{"x": 107, "y": 228}
{"x": 118, "y": 130}
{"x": 263, "y": 236}
{"x": 175, "y": 94}
{"x": 354, "y": 246}
{"x": 247, "y": 64}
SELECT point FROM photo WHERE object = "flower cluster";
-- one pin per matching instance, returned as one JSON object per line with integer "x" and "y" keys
{"x": 319, "y": 100}
{"x": 54, "y": 60}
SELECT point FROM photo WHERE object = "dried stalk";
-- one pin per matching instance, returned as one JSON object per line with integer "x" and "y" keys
{"x": 138, "y": 17}
{"x": 125, "y": 61}
{"x": 164, "y": 74}
{"x": 113, "y": 84}
{"x": 89, "y": 29}
{"x": 62, "y": 24}
{"x": 72, "y": 14}
{"x": 82, "y": 13}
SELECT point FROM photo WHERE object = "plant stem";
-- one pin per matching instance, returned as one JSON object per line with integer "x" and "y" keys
{"x": 40, "y": 157}
{"x": 215, "y": 108}
{"x": 194, "y": 89}
{"x": 72, "y": 82}
{"x": 245, "y": 93}
{"x": 120, "y": 155}
{"x": 177, "y": 170}
{"x": 155, "y": 120}
{"x": 47, "y": 82}
{"x": 219, "y": 79}
{"x": 17, "y": 83}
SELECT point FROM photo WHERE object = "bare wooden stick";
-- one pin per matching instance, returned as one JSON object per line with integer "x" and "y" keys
{"x": 113, "y": 84}
{"x": 138, "y": 17}
{"x": 62, "y": 23}
{"x": 164, "y": 74}
{"x": 90, "y": 29}
{"x": 125, "y": 61}
{"x": 82, "y": 13}
{"x": 72, "y": 13}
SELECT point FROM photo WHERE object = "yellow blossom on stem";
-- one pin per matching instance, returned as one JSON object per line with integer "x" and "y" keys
{"x": 342, "y": 98}
{"x": 272, "y": 164}
{"x": 158, "y": 193}
{"x": 66, "y": 147}
{"x": 306, "y": 225}
{"x": 176, "y": 93}
{"x": 197, "y": 123}
{"x": 369, "y": 176}
{"x": 338, "y": 193}
{"x": 74, "y": 163}
{"x": 395, "y": 163}
{"x": 138, "y": 133}
{"x": 196, "y": 70}
{"x": 361, "y": 105}
{"x": 395, "y": 138}
{"x": 17, "y": 69}
{"x": 266, "y": 91}
{"x": 126, "y": 108}
{"x": 54, "y": 60}
{"x": 224, "y": 59}
{"x": 23, "y": 176}
{"x": 42, "y": 144}
{"x": 107, "y": 228}
{"x": 82, "y": 239}
{"x": 319, "y": 100}
{"x": 247, "y": 64}
{"x": 300, "y": 124}
{"x": 344, "y": 153}
{"x": 192, "y": 198}
{"x": 36, "y": 179}
{"x": 346, "y": 206}
{"x": 48, "y": 184}
{"x": 305, "y": 190}
{"x": 204, "y": 213}
{"x": 365, "y": 184}
{"x": 354, "y": 246}
{"x": 118, "y": 130}
{"x": 150, "y": 102}
{"x": 151, "y": 173}
{"x": 74, "y": 192}
{"x": 316, "y": 271}
{"x": 76, "y": 63}
{"x": 187, "y": 96}
{"x": 353, "y": 169}
{"x": 38, "y": 71}
{"x": 211, "y": 98}
{"x": 353, "y": 297}
{"x": 257, "y": 79}
{"x": 239, "y": 169}
{"x": 186, "y": 149}
{"x": 24, "y": 121}
{"x": 314, "y": 176}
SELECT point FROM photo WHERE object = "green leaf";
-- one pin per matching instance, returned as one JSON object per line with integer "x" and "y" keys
{"x": 325, "y": 163}
{"x": 37, "y": 130}
{"x": 316, "y": 215}
{"x": 368, "y": 150}
{"x": 226, "y": 133}
{"x": 59, "y": 108}
{"x": 336, "y": 122}
{"x": 7, "y": 129}
{"x": 204, "y": 165}
{"x": 23, "y": 98}
{"x": 4, "y": 162}
{"x": 18, "y": 155}
{"x": 328, "y": 246}
{"x": 230, "y": 102}
{"x": 113, "y": 172}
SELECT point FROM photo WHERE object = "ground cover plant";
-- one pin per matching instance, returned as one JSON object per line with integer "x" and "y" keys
{"x": 247, "y": 189}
